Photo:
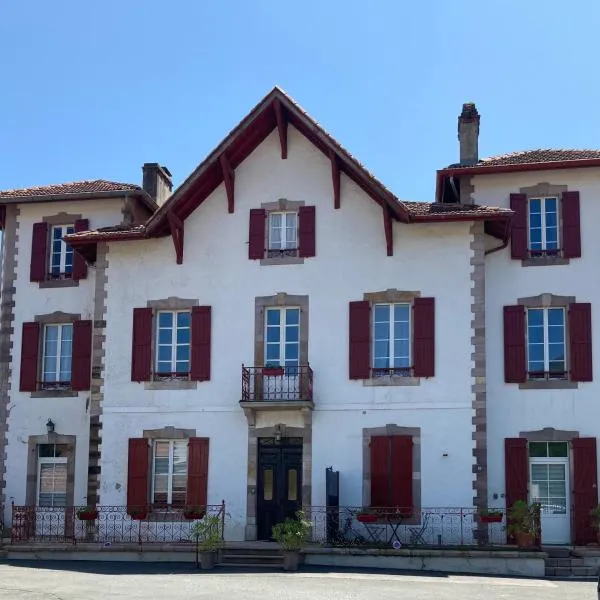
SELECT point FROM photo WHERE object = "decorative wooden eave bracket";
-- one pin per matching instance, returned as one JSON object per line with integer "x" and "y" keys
{"x": 335, "y": 178}
{"x": 281, "y": 127}
{"x": 387, "y": 227}
{"x": 229, "y": 180}
{"x": 176, "y": 225}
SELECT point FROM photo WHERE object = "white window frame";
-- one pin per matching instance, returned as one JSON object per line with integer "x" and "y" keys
{"x": 546, "y": 339}
{"x": 282, "y": 333}
{"x": 49, "y": 461}
{"x": 64, "y": 250}
{"x": 391, "y": 338}
{"x": 285, "y": 244}
{"x": 172, "y": 444}
{"x": 543, "y": 200}
{"x": 59, "y": 356}
{"x": 173, "y": 344}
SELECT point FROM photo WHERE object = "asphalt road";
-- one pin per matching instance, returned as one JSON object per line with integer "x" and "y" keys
{"x": 109, "y": 581}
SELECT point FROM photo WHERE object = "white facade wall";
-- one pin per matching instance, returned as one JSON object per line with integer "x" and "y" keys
{"x": 28, "y": 416}
{"x": 511, "y": 410}
{"x": 350, "y": 260}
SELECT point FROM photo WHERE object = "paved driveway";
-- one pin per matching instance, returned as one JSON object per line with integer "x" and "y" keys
{"x": 113, "y": 581}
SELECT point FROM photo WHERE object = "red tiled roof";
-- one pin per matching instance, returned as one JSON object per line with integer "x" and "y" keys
{"x": 114, "y": 232}
{"x": 533, "y": 157}
{"x": 76, "y": 187}
{"x": 425, "y": 210}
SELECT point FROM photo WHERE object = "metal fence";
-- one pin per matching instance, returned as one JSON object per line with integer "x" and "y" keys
{"x": 428, "y": 527}
{"x": 110, "y": 524}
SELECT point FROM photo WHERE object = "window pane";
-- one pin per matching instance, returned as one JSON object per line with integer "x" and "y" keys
{"x": 401, "y": 362}
{"x": 556, "y": 472}
{"x": 537, "y": 449}
{"x": 381, "y": 362}
{"x": 550, "y": 205}
{"x": 382, "y": 313}
{"x": 556, "y": 316}
{"x": 268, "y": 484}
{"x": 161, "y": 449}
{"x": 165, "y": 319}
{"x": 401, "y": 348}
{"x": 273, "y": 316}
{"x": 556, "y": 334}
{"x": 164, "y": 353}
{"x": 535, "y": 335}
{"x": 402, "y": 330}
{"x": 382, "y": 331}
{"x": 183, "y": 319}
{"x": 275, "y": 219}
{"x": 292, "y": 333}
{"x": 183, "y": 336}
{"x": 551, "y": 219}
{"x": 164, "y": 367}
{"x": 556, "y": 352}
{"x": 535, "y": 205}
{"x": 292, "y": 485}
{"x": 292, "y": 316}
{"x": 273, "y": 334}
{"x": 161, "y": 483}
{"x": 539, "y": 472}
{"x": 182, "y": 366}
{"x": 558, "y": 449}
{"x": 535, "y": 317}
{"x": 291, "y": 352}
{"x": 46, "y": 450}
{"x": 382, "y": 349}
{"x": 401, "y": 312}
{"x": 164, "y": 336}
{"x": 180, "y": 452}
{"x": 272, "y": 353}
{"x": 183, "y": 353}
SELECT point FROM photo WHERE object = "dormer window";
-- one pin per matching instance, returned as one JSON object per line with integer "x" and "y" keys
{"x": 283, "y": 234}
{"x": 61, "y": 254}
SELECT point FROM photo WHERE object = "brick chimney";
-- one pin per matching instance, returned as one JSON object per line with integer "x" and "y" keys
{"x": 468, "y": 134}
{"x": 157, "y": 182}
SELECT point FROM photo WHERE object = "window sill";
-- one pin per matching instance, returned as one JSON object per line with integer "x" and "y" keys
{"x": 544, "y": 261}
{"x": 54, "y": 394}
{"x": 173, "y": 384}
{"x": 555, "y": 384}
{"x": 59, "y": 283}
{"x": 391, "y": 380}
{"x": 282, "y": 260}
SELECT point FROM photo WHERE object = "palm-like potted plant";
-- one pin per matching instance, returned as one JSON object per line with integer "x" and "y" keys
{"x": 87, "y": 513}
{"x": 207, "y": 535}
{"x": 524, "y": 523}
{"x": 490, "y": 515}
{"x": 291, "y": 535}
{"x": 595, "y": 514}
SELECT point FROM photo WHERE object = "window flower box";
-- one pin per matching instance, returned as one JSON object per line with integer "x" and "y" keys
{"x": 491, "y": 516}
{"x": 273, "y": 371}
{"x": 87, "y": 514}
{"x": 138, "y": 515}
{"x": 367, "y": 518}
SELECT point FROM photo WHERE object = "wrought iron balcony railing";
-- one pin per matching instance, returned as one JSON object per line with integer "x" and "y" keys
{"x": 277, "y": 384}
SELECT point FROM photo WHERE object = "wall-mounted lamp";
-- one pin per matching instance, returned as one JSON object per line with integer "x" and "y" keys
{"x": 50, "y": 426}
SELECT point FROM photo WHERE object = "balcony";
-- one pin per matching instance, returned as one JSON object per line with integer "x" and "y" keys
{"x": 276, "y": 388}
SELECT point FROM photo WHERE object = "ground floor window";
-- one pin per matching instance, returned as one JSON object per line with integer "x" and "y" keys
{"x": 169, "y": 472}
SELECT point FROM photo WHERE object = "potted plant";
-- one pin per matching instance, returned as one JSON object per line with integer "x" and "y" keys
{"x": 88, "y": 513}
{"x": 272, "y": 370}
{"x": 595, "y": 514}
{"x": 367, "y": 515}
{"x": 207, "y": 535}
{"x": 490, "y": 515}
{"x": 138, "y": 514}
{"x": 524, "y": 523}
{"x": 193, "y": 513}
{"x": 291, "y": 535}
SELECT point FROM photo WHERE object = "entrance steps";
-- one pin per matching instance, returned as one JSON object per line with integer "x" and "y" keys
{"x": 256, "y": 556}
{"x": 565, "y": 563}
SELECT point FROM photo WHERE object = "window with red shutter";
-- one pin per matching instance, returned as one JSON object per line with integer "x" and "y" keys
{"x": 515, "y": 470}
{"x": 424, "y": 337}
{"x": 580, "y": 334}
{"x": 141, "y": 352}
{"x": 30, "y": 343}
{"x": 380, "y": 471}
{"x": 197, "y": 482}
{"x": 359, "y": 359}
{"x": 138, "y": 476}
{"x": 306, "y": 231}
{"x": 79, "y": 264}
{"x": 519, "y": 237}
{"x": 571, "y": 227}
{"x": 39, "y": 249}
{"x": 201, "y": 343}
{"x": 82, "y": 355}
{"x": 515, "y": 368}
{"x": 256, "y": 235}
{"x": 585, "y": 489}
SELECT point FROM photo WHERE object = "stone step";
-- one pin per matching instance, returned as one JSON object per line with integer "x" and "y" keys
{"x": 230, "y": 559}
{"x": 564, "y": 562}
{"x": 255, "y": 565}
{"x": 571, "y": 572}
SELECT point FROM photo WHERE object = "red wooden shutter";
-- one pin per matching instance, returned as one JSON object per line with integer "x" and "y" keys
{"x": 424, "y": 337}
{"x": 30, "y": 343}
{"x": 138, "y": 475}
{"x": 515, "y": 367}
{"x": 79, "y": 264}
{"x": 39, "y": 252}
{"x": 571, "y": 228}
{"x": 359, "y": 359}
{"x": 197, "y": 482}
{"x": 141, "y": 353}
{"x": 256, "y": 236}
{"x": 515, "y": 471}
{"x": 380, "y": 471}
{"x": 401, "y": 473}
{"x": 580, "y": 338}
{"x": 518, "y": 238}
{"x": 585, "y": 488}
{"x": 200, "y": 351}
{"x": 306, "y": 231}
{"x": 82, "y": 355}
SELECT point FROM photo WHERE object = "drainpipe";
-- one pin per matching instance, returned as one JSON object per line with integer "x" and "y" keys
{"x": 504, "y": 243}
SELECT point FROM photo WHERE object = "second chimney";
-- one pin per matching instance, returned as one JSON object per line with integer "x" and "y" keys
{"x": 157, "y": 181}
{"x": 468, "y": 134}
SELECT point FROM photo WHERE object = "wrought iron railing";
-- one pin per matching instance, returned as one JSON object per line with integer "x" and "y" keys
{"x": 277, "y": 384}
{"x": 110, "y": 524}
{"x": 427, "y": 527}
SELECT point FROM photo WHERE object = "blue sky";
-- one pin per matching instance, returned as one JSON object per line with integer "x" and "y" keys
{"x": 94, "y": 89}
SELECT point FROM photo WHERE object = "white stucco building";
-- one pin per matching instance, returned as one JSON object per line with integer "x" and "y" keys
{"x": 282, "y": 312}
